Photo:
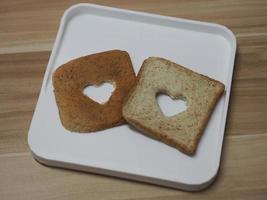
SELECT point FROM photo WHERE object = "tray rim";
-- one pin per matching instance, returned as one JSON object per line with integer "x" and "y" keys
{"x": 47, "y": 160}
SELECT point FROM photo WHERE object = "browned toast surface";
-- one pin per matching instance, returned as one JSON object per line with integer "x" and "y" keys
{"x": 77, "y": 111}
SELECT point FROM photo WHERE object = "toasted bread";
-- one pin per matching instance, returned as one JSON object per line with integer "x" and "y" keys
{"x": 77, "y": 111}
{"x": 183, "y": 130}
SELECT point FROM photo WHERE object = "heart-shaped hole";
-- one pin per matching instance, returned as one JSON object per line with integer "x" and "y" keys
{"x": 170, "y": 106}
{"x": 100, "y": 93}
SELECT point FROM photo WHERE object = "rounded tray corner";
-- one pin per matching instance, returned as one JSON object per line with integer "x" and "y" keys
{"x": 72, "y": 11}
{"x": 208, "y": 181}
{"x": 228, "y": 34}
{"x": 36, "y": 153}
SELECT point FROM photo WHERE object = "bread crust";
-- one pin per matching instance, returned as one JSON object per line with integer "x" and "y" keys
{"x": 77, "y": 111}
{"x": 187, "y": 148}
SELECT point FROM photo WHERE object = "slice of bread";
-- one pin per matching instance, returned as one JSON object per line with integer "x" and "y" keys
{"x": 77, "y": 111}
{"x": 183, "y": 130}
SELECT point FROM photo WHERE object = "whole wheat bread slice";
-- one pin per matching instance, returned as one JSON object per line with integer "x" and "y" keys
{"x": 183, "y": 130}
{"x": 77, "y": 111}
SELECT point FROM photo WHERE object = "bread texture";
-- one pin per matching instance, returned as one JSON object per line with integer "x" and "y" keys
{"x": 77, "y": 111}
{"x": 182, "y": 131}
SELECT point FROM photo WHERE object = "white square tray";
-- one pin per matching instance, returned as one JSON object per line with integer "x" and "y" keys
{"x": 85, "y": 29}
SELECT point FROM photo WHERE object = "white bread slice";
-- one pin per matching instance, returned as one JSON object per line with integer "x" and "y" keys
{"x": 183, "y": 130}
